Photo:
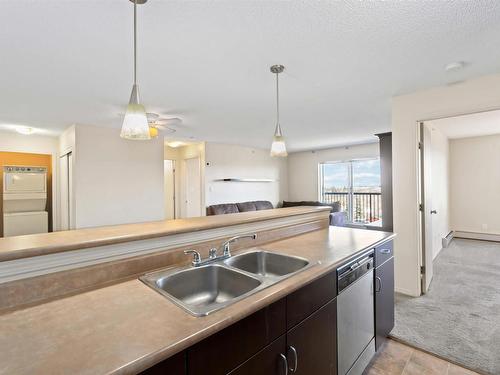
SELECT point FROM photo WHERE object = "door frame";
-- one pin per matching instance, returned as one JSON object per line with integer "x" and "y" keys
{"x": 425, "y": 252}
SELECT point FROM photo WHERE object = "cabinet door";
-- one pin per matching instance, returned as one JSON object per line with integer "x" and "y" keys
{"x": 308, "y": 299}
{"x": 227, "y": 349}
{"x": 175, "y": 365}
{"x": 269, "y": 361}
{"x": 312, "y": 345}
{"x": 384, "y": 301}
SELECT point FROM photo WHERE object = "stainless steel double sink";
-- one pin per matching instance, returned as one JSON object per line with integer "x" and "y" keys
{"x": 205, "y": 289}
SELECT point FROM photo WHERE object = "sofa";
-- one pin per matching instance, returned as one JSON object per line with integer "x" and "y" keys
{"x": 233, "y": 208}
{"x": 337, "y": 217}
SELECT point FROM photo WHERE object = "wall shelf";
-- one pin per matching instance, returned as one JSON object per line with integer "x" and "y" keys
{"x": 244, "y": 180}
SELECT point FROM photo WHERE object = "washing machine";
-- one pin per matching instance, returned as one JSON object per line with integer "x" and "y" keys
{"x": 24, "y": 200}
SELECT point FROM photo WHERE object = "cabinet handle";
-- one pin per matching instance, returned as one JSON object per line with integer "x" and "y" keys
{"x": 385, "y": 251}
{"x": 285, "y": 363}
{"x": 379, "y": 284}
{"x": 295, "y": 359}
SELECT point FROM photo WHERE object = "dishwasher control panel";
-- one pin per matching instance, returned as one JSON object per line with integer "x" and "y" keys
{"x": 352, "y": 271}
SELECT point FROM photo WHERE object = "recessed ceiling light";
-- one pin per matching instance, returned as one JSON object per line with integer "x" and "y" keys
{"x": 176, "y": 144}
{"x": 454, "y": 66}
{"x": 25, "y": 130}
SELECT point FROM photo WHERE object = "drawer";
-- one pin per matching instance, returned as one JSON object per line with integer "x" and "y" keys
{"x": 383, "y": 252}
{"x": 303, "y": 302}
{"x": 225, "y": 350}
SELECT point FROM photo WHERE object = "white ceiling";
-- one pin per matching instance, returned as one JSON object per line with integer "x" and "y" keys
{"x": 70, "y": 61}
{"x": 473, "y": 125}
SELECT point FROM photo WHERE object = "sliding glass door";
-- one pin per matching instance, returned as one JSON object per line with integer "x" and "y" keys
{"x": 355, "y": 184}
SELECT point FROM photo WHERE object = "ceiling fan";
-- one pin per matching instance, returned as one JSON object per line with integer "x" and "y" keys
{"x": 157, "y": 123}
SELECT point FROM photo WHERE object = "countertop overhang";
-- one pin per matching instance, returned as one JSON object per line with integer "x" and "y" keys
{"x": 127, "y": 327}
{"x": 18, "y": 247}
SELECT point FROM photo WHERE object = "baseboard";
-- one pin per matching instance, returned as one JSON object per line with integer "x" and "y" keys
{"x": 405, "y": 292}
{"x": 447, "y": 239}
{"x": 477, "y": 236}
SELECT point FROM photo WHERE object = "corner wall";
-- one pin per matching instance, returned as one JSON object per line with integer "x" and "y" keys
{"x": 116, "y": 181}
{"x": 468, "y": 97}
{"x": 475, "y": 178}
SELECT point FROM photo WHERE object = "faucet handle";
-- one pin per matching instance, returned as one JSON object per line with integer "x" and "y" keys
{"x": 196, "y": 256}
{"x": 212, "y": 253}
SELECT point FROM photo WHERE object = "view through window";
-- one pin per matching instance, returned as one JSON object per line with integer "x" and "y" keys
{"x": 356, "y": 185}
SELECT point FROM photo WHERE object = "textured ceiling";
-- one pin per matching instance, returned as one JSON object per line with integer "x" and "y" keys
{"x": 70, "y": 61}
{"x": 473, "y": 125}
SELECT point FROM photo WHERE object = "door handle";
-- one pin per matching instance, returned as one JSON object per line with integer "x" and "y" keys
{"x": 377, "y": 290}
{"x": 295, "y": 359}
{"x": 434, "y": 212}
{"x": 284, "y": 363}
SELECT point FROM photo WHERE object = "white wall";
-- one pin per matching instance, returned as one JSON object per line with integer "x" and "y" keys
{"x": 116, "y": 181}
{"x": 231, "y": 161}
{"x": 440, "y": 172}
{"x": 475, "y": 181}
{"x": 36, "y": 144}
{"x": 471, "y": 96}
{"x": 303, "y": 167}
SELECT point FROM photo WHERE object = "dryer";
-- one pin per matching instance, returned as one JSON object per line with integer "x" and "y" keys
{"x": 24, "y": 200}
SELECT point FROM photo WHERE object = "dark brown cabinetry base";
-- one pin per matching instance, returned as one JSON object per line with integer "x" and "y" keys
{"x": 384, "y": 301}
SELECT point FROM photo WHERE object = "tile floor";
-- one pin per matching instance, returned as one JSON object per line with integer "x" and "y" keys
{"x": 399, "y": 359}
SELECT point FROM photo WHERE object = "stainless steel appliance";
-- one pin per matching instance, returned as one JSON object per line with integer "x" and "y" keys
{"x": 355, "y": 315}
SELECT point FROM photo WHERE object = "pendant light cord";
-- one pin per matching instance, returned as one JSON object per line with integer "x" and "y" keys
{"x": 277, "y": 101}
{"x": 135, "y": 42}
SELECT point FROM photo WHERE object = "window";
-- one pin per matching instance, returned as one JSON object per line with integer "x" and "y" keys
{"x": 356, "y": 185}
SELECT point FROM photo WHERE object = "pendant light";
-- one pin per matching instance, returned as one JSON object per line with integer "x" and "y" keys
{"x": 135, "y": 124}
{"x": 278, "y": 147}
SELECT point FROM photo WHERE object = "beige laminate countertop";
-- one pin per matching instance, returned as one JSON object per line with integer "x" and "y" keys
{"x": 128, "y": 327}
{"x": 47, "y": 243}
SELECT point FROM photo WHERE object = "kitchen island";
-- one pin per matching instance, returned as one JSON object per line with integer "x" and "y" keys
{"x": 127, "y": 327}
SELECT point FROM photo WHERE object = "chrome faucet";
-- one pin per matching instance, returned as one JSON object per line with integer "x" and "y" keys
{"x": 212, "y": 253}
{"x": 225, "y": 245}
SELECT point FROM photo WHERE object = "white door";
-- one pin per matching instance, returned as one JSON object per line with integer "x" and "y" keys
{"x": 66, "y": 191}
{"x": 426, "y": 210}
{"x": 192, "y": 187}
{"x": 169, "y": 175}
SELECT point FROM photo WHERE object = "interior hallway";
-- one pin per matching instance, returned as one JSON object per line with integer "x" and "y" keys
{"x": 458, "y": 318}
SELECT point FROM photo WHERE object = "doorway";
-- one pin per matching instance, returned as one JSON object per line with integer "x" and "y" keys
{"x": 66, "y": 191}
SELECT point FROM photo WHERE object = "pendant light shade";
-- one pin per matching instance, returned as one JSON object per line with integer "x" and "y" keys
{"x": 135, "y": 124}
{"x": 278, "y": 147}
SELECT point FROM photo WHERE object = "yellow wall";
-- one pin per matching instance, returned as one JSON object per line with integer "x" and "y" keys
{"x": 21, "y": 158}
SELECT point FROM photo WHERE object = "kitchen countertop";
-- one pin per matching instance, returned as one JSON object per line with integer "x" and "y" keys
{"x": 128, "y": 327}
{"x": 17, "y": 247}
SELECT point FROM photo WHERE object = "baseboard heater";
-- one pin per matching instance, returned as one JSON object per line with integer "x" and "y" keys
{"x": 447, "y": 239}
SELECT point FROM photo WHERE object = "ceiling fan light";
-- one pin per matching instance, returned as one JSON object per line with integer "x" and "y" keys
{"x": 153, "y": 132}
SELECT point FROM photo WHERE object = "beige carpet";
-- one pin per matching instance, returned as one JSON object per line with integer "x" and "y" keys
{"x": 459, "y": 318}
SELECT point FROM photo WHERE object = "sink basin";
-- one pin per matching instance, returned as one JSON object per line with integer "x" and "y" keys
{"x": 202, "y": 290}
{"x": 267, "y": 264}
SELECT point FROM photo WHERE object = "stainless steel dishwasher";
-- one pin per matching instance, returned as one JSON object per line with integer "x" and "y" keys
{"x": 355, "y": 315}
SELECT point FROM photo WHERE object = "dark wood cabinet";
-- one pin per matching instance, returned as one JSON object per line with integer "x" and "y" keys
{"x": 383, "y": 252}
{"x": 175, "y": 365}
{"x": 312, "y": 345}
{"x": 227, "y": 349}
{"x": 269, "y": 361}
{"x": 384, "y": 301}
{"x": 385, "y": 145}
{"x": 308, "y": 299}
